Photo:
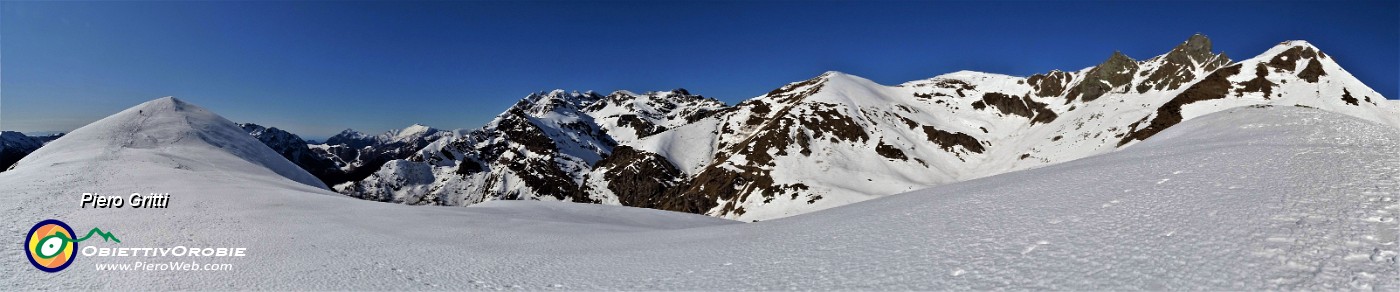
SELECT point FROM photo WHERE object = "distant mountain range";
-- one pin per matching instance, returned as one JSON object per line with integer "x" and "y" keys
{"x": 15, "y": 146}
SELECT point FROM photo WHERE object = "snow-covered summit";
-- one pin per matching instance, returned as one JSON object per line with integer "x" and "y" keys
{"x": 170, "y": 133}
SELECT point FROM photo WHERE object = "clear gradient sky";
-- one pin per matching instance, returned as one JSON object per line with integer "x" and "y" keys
{"x": 315, "y": 68}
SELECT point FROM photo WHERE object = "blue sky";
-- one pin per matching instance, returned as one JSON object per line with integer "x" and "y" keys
{"x": 315, "y": 68}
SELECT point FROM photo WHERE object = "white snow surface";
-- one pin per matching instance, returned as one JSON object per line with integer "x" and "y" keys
{"x": 1278, "y": 198}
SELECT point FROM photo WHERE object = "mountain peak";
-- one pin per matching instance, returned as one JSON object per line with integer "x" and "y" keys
{"x": 415, "y": 129}
{"x": 1118, "y": 56}
{"x": 1196, "y": 49}
{"x": 1196, "y": 43}
{"x": 168, "y": 132}
{"x": 838, "y": 76}
{"x": 1284, "y": 54}
{"x": 168, "y": 103}
{"x": 1296, "y": 43}
{"x": 1292, "y": 47}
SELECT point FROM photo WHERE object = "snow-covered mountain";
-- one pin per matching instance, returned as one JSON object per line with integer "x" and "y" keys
{"x": 1250, "y": 198}
{"x": 297, "y": 151}
{"x": 837, "y": 138}
{"x": 167, "y": 133}
{"x": 356, "y": 155}
{"x": 541, "y": 147}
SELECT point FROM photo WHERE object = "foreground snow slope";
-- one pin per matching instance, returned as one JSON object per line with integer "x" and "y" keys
{"x": 1248, "y": 198}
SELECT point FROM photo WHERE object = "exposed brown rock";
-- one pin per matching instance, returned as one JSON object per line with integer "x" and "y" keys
{"x": 890, "y": 152}
{"x": 1311, "y": 72}
{"x": 716, "y": 183}
{"x": 519, "y": 129}
{"x": 1221, "y": 61}
{"x": 1214, "y": 86}
{"x": 1022, "y": 106}
{"x": 545, "y": 178}
{"x": 1178, "y": 65}
{"x": 1197, "y": 48}
{"x": 1258, "y": 84}
{"x": 1288, "y": 59}
{"x": 468, "y": 167}
{"x": 1050, "y": 84}
{"x": 641, "y": 126}
{"x": 908, "y": 122}
{"x": 828, "y": 120}
{"x": 789, "y": 93}
{"x": 824, "y": 122}
{"x": 947, "y": 140}
{"x": 1116, "y": 71}
{"x": 1346, "y": 97}
{"x": 1169, "y": 76}
{"x": 957, "y": 85}
{"x": 638, "y": 178}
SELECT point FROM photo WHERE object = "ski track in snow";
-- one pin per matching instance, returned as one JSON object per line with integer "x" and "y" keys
{"x": 1250, "y": 199}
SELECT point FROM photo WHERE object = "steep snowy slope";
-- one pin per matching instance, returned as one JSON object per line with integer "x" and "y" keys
{"x": 1269, "y": 198}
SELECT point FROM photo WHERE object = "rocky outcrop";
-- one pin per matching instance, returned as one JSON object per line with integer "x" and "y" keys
{"x": 1312, "y": 72}
{"x": 1176, "y": 67}
{"x": 947, "y": 140}
{"x": 638, "y": 178}
{"x": 1022, "y": 106}
{"x": 1050, "y": 84}
{"x": 1115, "y": 72}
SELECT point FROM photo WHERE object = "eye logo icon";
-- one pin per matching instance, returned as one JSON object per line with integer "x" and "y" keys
{"x": 49, "y": 247}
{"x": 50, "y": 244}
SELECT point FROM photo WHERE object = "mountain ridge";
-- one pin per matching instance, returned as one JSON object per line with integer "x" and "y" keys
{"x": 796, "y": 148}
{"x": 827, "y": 141}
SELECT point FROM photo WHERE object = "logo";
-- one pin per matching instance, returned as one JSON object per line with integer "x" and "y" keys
{"x": 50, "y": 245}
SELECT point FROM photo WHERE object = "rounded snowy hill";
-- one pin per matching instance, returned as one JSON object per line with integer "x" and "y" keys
{"x": 166, "y": 133}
